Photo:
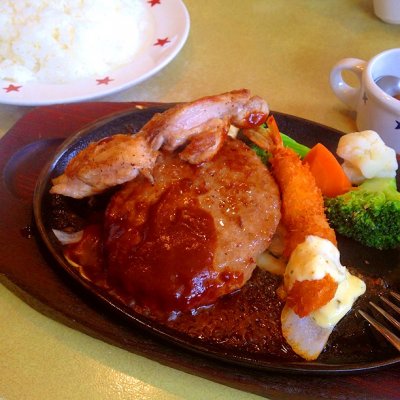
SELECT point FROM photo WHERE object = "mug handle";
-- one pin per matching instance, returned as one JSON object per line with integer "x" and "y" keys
{"x": 346, "y": 93}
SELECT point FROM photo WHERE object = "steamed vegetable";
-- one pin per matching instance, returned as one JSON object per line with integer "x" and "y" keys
{"x": 366, "y": 156}
{"x": 261, "y": 153}
{"x": 328, "y": 173}
{"x": 369, "y": 214}
{"x": 299, "y": 148}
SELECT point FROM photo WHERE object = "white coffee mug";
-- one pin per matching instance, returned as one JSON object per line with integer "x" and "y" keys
{"x": 376, "y": 109}
{"x": 388, "y": 10}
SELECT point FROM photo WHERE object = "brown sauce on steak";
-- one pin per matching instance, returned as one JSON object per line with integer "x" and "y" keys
{"x": 166, "y": 263}
{"x": 186, "y": 239}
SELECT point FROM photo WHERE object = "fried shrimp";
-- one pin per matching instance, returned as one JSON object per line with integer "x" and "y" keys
{"x": 302, "y": 202}
{"x": 319, "y": 290}
{"x": 197, "y": 130}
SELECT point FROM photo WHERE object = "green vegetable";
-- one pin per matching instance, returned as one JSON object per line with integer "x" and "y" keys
{"x": 262, "y": 154}
{"x": 300, "y": 149}
{"x": 370, "y": 214}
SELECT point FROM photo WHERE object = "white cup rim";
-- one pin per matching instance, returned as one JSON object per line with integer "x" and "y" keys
{"x": 374, "y": 90}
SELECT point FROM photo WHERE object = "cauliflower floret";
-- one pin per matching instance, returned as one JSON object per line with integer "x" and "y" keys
{"x": 366, "y": 156}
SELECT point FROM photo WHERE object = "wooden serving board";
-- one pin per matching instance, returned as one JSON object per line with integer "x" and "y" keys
{"x": 27, "y": 269}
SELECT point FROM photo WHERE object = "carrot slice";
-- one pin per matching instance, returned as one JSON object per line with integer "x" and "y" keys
{"x": 307, "y": 296}
{"x": 327, "y": 171}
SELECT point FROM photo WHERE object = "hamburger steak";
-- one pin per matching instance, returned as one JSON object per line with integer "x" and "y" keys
{"x": 193, "y": 234}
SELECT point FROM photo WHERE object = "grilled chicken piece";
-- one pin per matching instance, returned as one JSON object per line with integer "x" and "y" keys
{"x": 201, "y": 126}
{"x": 174, "y": 127}
{"x": 194, "y": 234}
{"x": 104, "y": 164}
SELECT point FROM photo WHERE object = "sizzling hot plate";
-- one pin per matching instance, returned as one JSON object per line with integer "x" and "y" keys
{"x": 351, "y": 347}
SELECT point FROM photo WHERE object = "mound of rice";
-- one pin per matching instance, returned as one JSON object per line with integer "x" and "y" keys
{"x": 64, "y": 40}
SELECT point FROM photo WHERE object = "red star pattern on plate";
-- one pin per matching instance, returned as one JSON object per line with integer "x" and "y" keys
{"x": 154, "y": 2}
{"x": 104, "y": 81}
{"x": 162, "y": 42}
{"x": 12, "y": 88}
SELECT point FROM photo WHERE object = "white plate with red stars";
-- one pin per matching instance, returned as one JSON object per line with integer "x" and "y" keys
{"x": 171, "y": 24}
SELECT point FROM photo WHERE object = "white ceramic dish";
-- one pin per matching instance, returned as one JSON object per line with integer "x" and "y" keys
{"x": 171, "y": 28}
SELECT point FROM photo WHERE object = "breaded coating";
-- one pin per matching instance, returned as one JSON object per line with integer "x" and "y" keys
{"x": 302, "y": 202}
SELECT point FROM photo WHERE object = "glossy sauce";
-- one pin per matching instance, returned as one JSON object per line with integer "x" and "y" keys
{"x": 165, "y": 264}
{"x": 88, "y": 254}
{"x": 247, "y": 322}
{"x": 255, "y": 119}
{"x": 188, "y": 238}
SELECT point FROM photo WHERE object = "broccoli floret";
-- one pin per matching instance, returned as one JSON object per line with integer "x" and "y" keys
{"x": 369, "y": 214}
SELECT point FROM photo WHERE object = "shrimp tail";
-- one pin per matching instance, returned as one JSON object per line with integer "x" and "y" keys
{"x": 267, "y": 138}
{"x": 274, "y": 132}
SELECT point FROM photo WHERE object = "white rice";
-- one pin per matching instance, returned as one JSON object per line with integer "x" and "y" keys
{"x": 57, "y": 41}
